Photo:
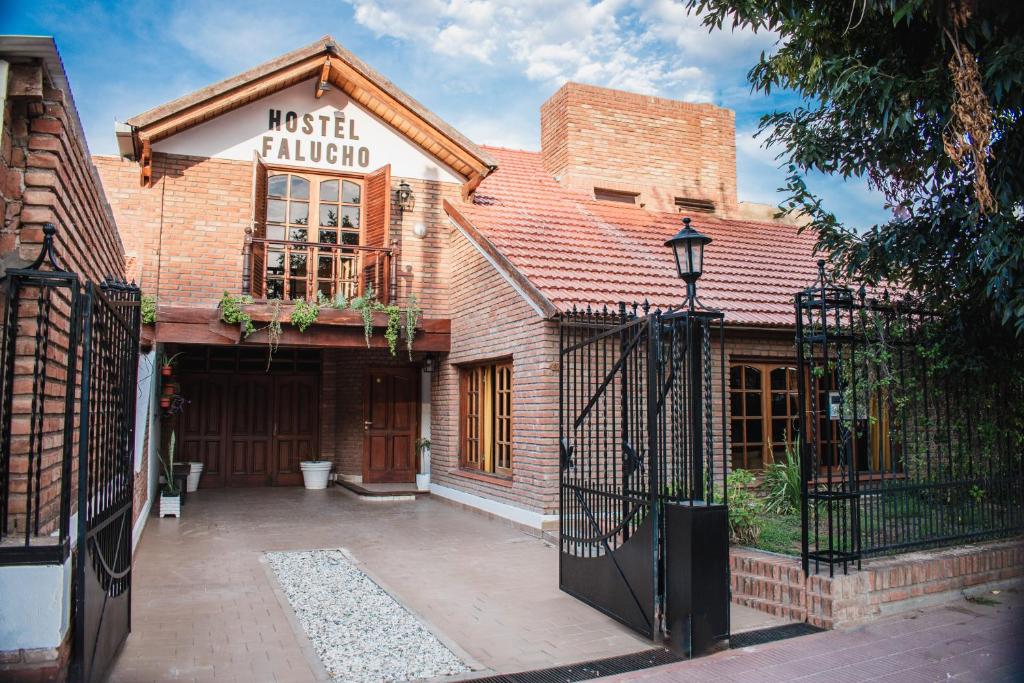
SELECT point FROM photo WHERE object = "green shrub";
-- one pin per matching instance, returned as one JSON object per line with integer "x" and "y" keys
{"x": 744, "y": 508}
{"x": 148, "y": 308}
{"x": 233, "y": 313}
{"x": 782, "y": 485}
{"x": 304, "y": 314}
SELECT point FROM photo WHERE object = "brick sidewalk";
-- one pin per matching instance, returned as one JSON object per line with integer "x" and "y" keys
{"x": 965, "y": 641}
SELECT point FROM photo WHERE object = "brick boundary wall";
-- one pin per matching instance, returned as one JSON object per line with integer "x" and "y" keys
{"x": 41, "y": 665}
{"x": 775, "y": 584}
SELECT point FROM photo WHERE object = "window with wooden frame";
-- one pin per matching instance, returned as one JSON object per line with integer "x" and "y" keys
{"x": 308, "y": 255}
{"x": 485, "y": 408}
{"x": 765, "y": 413}
{"x": 765, "y": 419}
{"x": 317, "y": 233}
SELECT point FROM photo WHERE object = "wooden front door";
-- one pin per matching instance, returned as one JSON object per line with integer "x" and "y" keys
{"x": 390, "y": 422}
{"x": 249, "y": 428}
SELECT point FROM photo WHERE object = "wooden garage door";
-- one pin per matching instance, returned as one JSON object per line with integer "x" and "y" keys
{"x": 249, "y": 428}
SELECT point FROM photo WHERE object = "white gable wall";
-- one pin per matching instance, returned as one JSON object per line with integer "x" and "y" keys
{"x": 332, "y": 133}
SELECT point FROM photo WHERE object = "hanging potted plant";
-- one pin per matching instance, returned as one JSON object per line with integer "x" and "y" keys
{"x": 170, "y": 493}
{"x": 167, "y": 365}
{"x": 165, "y": 402}
{"x": 315, "y": 472}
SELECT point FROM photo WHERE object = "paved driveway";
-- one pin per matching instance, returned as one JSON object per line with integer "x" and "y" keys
{"x": 207, "y": 608}
{"x": 977, "y": 641}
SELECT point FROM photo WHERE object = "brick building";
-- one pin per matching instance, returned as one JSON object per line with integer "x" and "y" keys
{"x": 313, "y": 175}
{"x": 46, "y": 177}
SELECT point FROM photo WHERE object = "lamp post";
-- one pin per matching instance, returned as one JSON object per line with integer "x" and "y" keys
{"x": 688, "y": 249}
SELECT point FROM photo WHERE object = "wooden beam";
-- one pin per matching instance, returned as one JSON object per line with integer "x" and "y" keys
{"x": 333, "y": 329}
{"x": 325, "y": 73}
{"x": 146, "y": 165}
{"x": 403, "y": 113}
{"x": 169, "y": 125}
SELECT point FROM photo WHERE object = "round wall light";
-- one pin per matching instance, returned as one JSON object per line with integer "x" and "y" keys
{"x": 420, "y": 229}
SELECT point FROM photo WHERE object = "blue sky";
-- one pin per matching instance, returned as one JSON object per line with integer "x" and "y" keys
{"x": 485, "y": 66}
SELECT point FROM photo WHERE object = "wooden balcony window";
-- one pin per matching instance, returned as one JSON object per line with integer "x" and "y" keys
{"x": 320, "y": 234}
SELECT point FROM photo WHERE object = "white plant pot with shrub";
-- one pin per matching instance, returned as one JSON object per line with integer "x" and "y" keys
{"x": 423, "y": 478}
{"x": 194, "y": 474}
{"x": 315, "y": 473}
{"x": 170, "y": 496}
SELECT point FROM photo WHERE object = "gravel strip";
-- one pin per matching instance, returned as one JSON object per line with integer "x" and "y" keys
{"x": 360, "y": 632}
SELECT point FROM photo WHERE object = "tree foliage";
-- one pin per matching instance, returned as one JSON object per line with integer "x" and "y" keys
{"x": 924, "y": 99}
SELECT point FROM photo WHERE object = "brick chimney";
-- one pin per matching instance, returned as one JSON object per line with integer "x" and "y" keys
{"x": 663, "y": 154}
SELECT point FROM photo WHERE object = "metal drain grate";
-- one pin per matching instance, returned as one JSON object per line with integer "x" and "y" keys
{"x": 768, "y": 635}
{"x": 586, "y": 671}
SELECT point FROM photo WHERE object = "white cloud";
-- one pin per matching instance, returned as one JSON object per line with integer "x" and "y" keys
{"x": 651, "y": 46}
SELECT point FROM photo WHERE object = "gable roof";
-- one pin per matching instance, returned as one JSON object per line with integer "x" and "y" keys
{"x": 578, "y": 251}
{"x": 320, "y": 59}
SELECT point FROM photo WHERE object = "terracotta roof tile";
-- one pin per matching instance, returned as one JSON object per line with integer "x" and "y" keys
{"x": 578, "y": 251}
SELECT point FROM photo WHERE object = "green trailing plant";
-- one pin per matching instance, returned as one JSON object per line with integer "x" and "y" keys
{"x": 391, "y": 332}
{"x": 148, "y": 308}
{"x": 413, "y": 312}
{"x": 170, "y": 487}
{"x": 782, "y": 484}
{"x": 365, "y": 304}
{"x": 339, "y": 303}
{"x": 304, "y": 314}
{"x": 744, "y": 508}
{"x": 233, "y": 313}
{"x": 274, "y": 330}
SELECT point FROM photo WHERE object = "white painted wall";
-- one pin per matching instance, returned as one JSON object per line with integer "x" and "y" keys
{"x": 372, "y": 143}
{"x": 35, "y": 606}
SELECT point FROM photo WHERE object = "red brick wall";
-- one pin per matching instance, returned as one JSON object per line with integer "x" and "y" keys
{"x": 46, "y": 176}
{"x": 776, "y": 584}
{"x": 597, "y": 137}
{"x": 187, "y": 231}
{"x": 490, "y": 320}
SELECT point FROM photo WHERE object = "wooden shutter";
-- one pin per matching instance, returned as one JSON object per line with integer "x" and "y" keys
{"x": 377, "y": 207}
{"x": 376, "y": 232}
{"x": 258, "y": 253}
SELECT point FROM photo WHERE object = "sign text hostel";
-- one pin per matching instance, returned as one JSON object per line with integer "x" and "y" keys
{"x": 320, "y": 146}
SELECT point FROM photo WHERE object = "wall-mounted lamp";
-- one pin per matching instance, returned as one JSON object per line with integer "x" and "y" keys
{"x": 429, "y": 364}
{"x": 404, "y": 197}
{"x": 420, "y": 229}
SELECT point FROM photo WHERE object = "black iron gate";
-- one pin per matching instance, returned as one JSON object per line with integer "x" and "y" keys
{"x": 69, "y": 365}
{"x": 643, "y": 522}
{"x": 110, "y": 350}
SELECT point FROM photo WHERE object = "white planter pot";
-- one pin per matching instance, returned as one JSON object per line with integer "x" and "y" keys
{"x": 192, "y": 483}
{"x": 315, "y": 473}
{"x": 170, "y": 506}
{"x": 423, "y": 482}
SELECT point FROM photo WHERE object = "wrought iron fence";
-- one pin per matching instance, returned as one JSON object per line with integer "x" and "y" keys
{"x": 638, "y": 443}
{"x": 897, "y": 453}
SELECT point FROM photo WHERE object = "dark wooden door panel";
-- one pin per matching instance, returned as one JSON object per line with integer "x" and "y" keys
{"x": 200, "y": 427}
{"x": 297, "y": 425}
{"x": 390, "y": 419}
{"x": 249, "y": 428}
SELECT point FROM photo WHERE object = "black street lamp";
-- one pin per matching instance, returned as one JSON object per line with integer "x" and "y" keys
{"x": 688, "y": 248}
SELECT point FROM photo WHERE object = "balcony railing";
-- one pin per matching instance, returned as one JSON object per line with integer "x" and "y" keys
{"x": 298, "y": 270}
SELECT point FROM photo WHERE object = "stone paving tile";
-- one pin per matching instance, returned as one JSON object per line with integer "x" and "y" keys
{"x": 957, "y": 641}
{"x": 205, "y": 608}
